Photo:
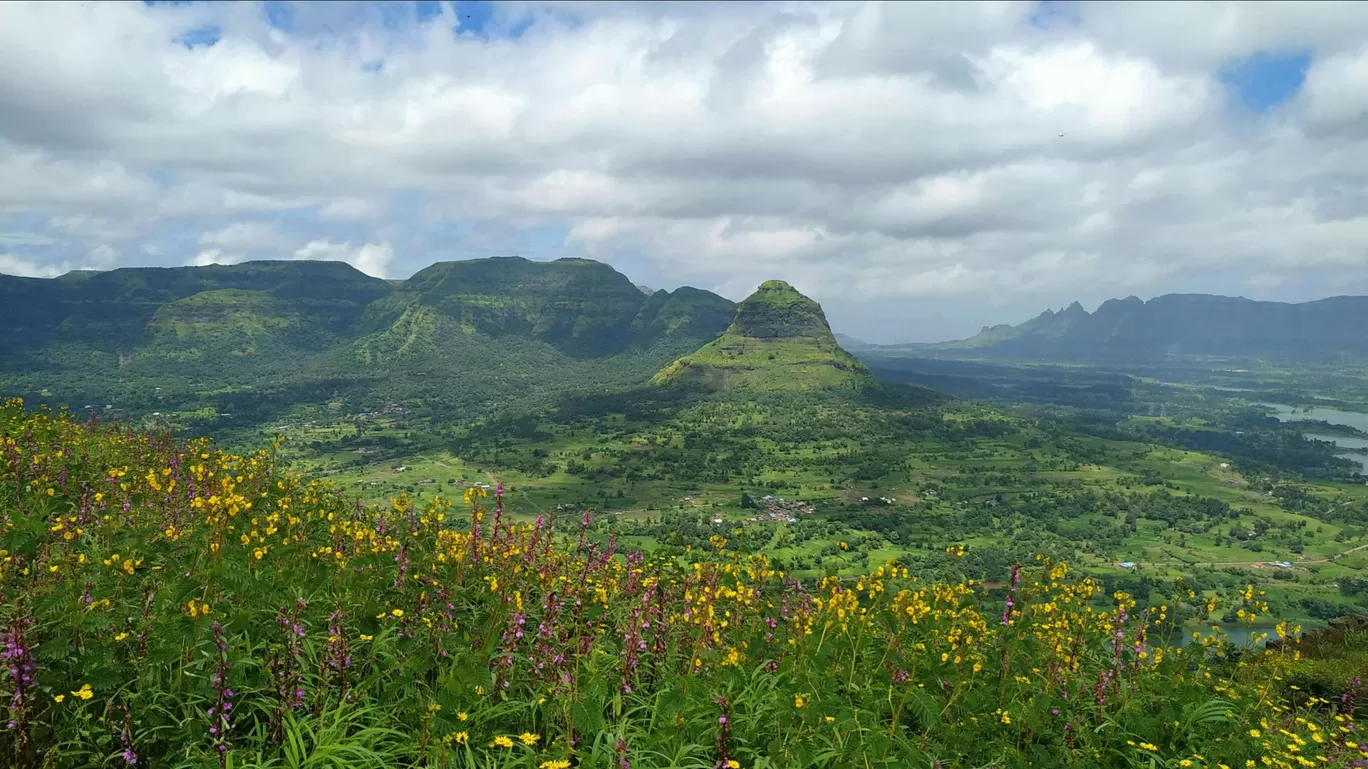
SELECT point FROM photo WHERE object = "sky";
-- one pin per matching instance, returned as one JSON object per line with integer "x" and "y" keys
{"x": 921, "y": 169}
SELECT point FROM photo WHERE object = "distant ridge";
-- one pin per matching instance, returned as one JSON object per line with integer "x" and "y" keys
{"x": 1174, "y": 325}
{"x": 778, "y": 340}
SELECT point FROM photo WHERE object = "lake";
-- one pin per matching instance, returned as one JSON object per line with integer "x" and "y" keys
{"x": 1353, "y": 419}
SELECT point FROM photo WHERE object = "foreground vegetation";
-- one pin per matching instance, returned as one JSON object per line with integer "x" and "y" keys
{"x": 168, "y": 604}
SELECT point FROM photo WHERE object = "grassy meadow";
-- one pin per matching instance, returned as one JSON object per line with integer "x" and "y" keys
{"x": 955, "y": 472}
{"x": 169, "y": 604}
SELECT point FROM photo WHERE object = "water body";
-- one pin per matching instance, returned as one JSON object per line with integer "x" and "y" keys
{"x": 1342, "y": 441}
{"x": 1355, "y": 419}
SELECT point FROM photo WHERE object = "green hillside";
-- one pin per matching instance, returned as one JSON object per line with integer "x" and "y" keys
{"x": 259, "y": 339}
{"x": 581, "y": 307}
{"x": 114, "y": 313}
{"x": 778, "y": 340}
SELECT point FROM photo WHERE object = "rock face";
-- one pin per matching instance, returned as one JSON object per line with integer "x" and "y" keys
{"x": 777, "y": 340}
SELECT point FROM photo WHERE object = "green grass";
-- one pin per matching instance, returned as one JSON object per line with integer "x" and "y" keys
{"x": 606, "y": 445}
{"x": 444, "y": 638}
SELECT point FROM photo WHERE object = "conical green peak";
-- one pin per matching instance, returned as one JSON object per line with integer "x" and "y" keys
{"x": 778, "y": 340}
{"x": 778, "y": 311}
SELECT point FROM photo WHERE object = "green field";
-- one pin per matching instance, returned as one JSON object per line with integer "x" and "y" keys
{"x": 1004, "y": 484}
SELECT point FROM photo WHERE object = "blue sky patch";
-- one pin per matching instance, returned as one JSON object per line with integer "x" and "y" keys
{"x": 1266, "y": 79}
{"x": 1052, "y": 14}
{"x": 163, "y": 177}
{"x": 200, "y": 37}
{"x": 280, "y": 14}
{"x": 427, "y": 9}
{"x": 474, "y": 15}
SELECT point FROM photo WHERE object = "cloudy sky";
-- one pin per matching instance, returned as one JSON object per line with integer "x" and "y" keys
{"x": 922, "y": 169}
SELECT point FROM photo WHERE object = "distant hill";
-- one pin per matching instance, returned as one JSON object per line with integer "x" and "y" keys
{"x": 267, "y": 335}
{"x": 851, "y": 343}
{"x": 778, "y": 340}
{"x": 132, "y": 314}
{"x": 578, "y": 306}
{"x": 1173, "y": 325}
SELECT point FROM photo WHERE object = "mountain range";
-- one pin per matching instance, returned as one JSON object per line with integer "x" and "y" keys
{"x": 1169, "y": 326}
{"x": 459, "y": 336}
{"x": 249, "y": 341}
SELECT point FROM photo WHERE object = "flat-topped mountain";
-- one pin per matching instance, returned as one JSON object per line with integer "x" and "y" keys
{"x": 183, "y": 312}
{"x": 578, "y": 306}
{"x": 482, "y": 330}
{"x": 777, "y": 340}
{"x": 1174, "y": 325}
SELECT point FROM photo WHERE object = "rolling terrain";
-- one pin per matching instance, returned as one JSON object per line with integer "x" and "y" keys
{"x": 682, "y": 414}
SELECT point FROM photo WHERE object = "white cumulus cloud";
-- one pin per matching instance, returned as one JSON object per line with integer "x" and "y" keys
{"x": 974, "y": 161}
{"x": 370, "y": 258}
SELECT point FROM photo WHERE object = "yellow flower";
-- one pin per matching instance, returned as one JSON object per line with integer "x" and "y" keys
{"x": 58, "y": 698}
{"x": 502, "y": 742}
{"x": 365, "y": 637}
{"x": 462, "y": 738}
{"x": 434, "y": 707}
{"x": 529, "y": 738}
{"x": 397, "y": 612}
{"x": 554, "y": 765}
{"x": 461, "y": 716}
{"x": 799, "y": 701}
{"x": 1185, "y": 762}
{"x": 830, "y": 719}
{"x": 84, "y": 692}
{"x": 733, "y": 764}
{"x": 120, "y": 636}
{"x": 1255, "y": 733}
